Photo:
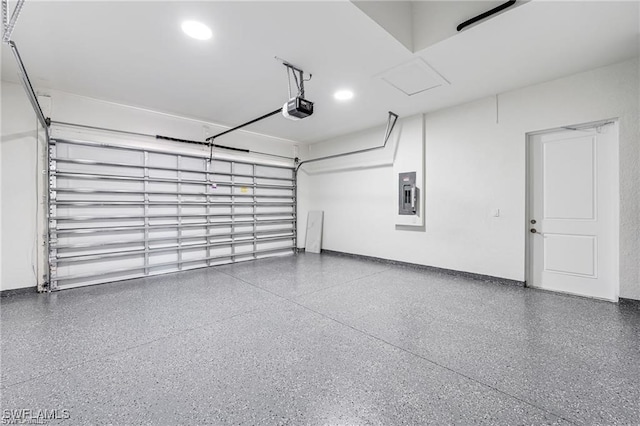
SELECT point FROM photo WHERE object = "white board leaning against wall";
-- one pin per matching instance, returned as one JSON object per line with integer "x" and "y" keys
{"x": 313, "y": 242}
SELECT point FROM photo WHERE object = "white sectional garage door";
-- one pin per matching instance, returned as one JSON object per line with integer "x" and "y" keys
{"x": 120, "y": 212}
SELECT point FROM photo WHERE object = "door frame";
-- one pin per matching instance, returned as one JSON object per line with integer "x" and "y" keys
{"x": 528, "y": 272}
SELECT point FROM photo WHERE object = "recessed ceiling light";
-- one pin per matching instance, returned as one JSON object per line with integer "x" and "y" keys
{"x": 197, "y": 30}
{"x": 343, "y": 95}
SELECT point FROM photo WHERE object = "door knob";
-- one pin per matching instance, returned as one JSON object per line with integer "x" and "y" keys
{"x": 533, "y": 221}
{"x": 533, "y": 230}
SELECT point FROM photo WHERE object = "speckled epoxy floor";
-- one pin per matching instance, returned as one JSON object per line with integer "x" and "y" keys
{"x": 320, "y": 339}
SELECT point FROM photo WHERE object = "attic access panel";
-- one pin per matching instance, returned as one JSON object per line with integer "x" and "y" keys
{"x": 414, "y": 77}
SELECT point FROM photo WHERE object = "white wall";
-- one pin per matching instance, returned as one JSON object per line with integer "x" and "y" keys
{"x": 18, "y": 190}
{"x": 18, "y": 195}
{"x": 475, "y": 164}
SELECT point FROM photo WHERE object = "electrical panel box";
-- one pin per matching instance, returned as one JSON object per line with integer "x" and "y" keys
{"x": 407, "y": 194}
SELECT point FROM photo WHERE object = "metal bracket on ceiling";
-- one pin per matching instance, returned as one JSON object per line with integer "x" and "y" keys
{"x": 26, "y": 84}
{"x": 391, "y": 123}
{"x": 298, "y": 75}
{"x": 9, "y": 24}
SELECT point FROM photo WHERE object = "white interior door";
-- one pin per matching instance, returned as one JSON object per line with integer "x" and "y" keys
{"x": 573, "y": 212}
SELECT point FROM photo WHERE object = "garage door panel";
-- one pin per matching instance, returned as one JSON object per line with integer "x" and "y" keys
{"x": 162, "y": 160}
{"x": 72, "y": 195}
{"x": 69, "y": 165}
{"x": 193, "y": 209}
{"x": 170, "y": 188}
{"x": 113, "y": 155}
{"x": 78, "y": 266}
{"x": 98, "y": 238}
{"x": 274, "y": 192}
{"x": 102, "y": 185}
{"x": 163, "y": 257}
{"x": 119, "y": 212}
